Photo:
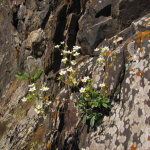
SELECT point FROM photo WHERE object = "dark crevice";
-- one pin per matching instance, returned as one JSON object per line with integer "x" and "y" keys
{"x": 11, "y": 138}
{"x": 74, "y": 28}
{"x": 106, "y": 11}
{"x": 46, "y": 17}
{"x": 15, "y": 16}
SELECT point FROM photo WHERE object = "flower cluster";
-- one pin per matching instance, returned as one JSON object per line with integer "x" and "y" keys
{"x": 38, "y": 109}
{"x": 105, "y": 49}
{"x": 44, "y": 88}
{"x": 90, "y": 100}
{"x": 85, "y": 79}
{"x": 32, "y": 89}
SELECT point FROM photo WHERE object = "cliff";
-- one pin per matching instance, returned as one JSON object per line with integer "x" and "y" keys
{"x": 30, "y": 31}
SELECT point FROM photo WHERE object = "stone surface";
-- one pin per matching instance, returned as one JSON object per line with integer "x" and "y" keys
{"x": 37, "y": 26}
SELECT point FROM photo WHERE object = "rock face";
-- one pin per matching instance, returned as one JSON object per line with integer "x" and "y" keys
{"x": 30, "y": 30}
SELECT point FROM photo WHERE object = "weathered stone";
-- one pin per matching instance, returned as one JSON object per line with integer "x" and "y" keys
{"x": 30, "y": 25}
{"x": 36, "y": 42}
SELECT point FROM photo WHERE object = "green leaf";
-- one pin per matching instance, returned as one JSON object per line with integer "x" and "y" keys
{"x": 105, "y": 105}
{"x": 29, "y": 96}
{"x": 84, "y": 118}
{"x": 99, "y": 121}
{"x": 88, "y": 111}
{"x": 37, "y": 75}
{"x": 93, "y": 95}
{"x": 106, "y": 100}
{"x": 98, "y": 114}
{"x": 95, "y": 104}
{"x": 92, "y": 121}
{"x": 34, "y": 104}
{"x": 97, "y": 99}
{"x": 79, "y": 104}
{"x": 88, "y": 117}
{"x": 59, "y": 78}
{"x": 20, "y": 76}
{"x": 80, "y": 96}
{"x": 87, "y": 99}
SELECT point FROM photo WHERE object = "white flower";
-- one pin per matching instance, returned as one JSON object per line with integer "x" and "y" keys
{"x": 87, "y": 77}
{"x": 62, "y": 72}
{"x": 76, "y": 54}
{"x": 76, "y": 47}
{"x": 70, "y": 69}
{"x": 74, "y": 50}
{"x": 37, "y": 111}
{"x": 96, "y": 50}
{"x": 84, "y": 80}
{"x": 99, "y": 1}
{"x": 32, "y": 85}
{"x": 73, "y": 62}
{"x": 64, "y": 60}
{"x": 74, "y": 81}
{"x": 82, "y": 90}
{"x": 32, "y": 89}
{"x": 44, "y": 88}
{"x": 24, "y": 99}
{"x": 69, "y": 52}
{"x": 102, "y": 85}
{"x": 105, "y": 49}
{"x": 57, "y": 46}
{"x": 48, "y": 102}
{"x": 62, "y": 42}
{"x": 64, "y": 52}
{"x": 39, "y": 107}
{"x": 100, "y": 59}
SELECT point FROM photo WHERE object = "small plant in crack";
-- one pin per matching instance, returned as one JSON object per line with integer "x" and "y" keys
{"x": 30, "y": 77}
{"x": 91, "y": 103}
{"x": 40, "y": 102}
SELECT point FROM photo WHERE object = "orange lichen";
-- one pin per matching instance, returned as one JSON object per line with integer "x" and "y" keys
{"x": 80, "y": 59}
{"x": 149, "y": 138}
{"x": 48, "y": 145}
{"x": 142, "y": 49}
{"x": 79, "y": 80}
{"x": 55, "y": 115}
{"x": 109, "y": 66}
{"x": 55, "y": 105}
{"x": 47, "y": 96}
{"x": 138, "y": 73}
{"x": 143, "y": 33}
{"x": 116, "y": 37}
{"x": 126, "y": 50}
{"x": 128, "y": 57}
{"x": 90, "y": 1}
{"x": 94, "y": 73}
{"x": 139, "y": 40}
{"x": 133, "y": 148}
{"x": 106, "y": 73}
{"x": 132, "y": 70}
{"x": 108, "y": 53}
